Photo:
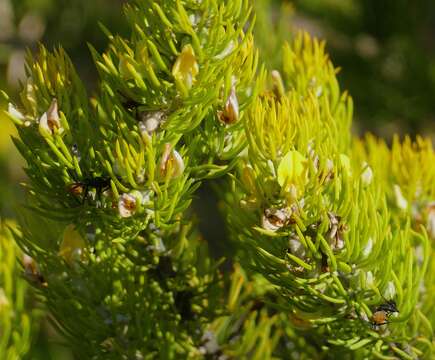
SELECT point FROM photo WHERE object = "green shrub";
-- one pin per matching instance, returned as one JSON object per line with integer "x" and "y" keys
{"x": 331, "y": 235}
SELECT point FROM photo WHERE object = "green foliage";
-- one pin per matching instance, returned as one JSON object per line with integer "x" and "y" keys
{"x": 323, "y": 238}
{"x": 17, "y": 321}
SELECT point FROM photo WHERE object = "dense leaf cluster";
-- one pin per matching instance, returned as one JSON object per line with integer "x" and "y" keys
{"x": 333, "y": 236}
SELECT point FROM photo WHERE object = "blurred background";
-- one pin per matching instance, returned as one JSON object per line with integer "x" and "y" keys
{"x": 385, "y": 51}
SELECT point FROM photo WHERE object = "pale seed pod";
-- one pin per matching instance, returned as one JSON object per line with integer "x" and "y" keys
{"x": 49, "y": 123}
{"x": 336, "y": 232}
{"x": 230, "y": 114}
{"x": 277, "y": 84}
{"x": 171, "y": 163}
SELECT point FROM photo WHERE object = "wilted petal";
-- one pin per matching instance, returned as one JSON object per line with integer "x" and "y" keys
{"x": 151, "y": 121}
{"x": 127, "y": 205}
{"x": 274, "y": 219}
{"x": 296, "y": 248}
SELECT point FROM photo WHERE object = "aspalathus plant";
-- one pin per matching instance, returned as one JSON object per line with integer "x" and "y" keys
{"x": 331, "y": 259}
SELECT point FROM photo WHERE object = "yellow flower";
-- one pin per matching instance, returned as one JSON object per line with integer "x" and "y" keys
{"x": 73, "y": 245}
{"x": 186, "y": 68}
{"x": 292, "y": 169}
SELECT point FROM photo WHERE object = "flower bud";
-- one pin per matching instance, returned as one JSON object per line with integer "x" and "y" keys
{"x": 277, "y": 84}
{"x": 49, "y": 123}
{"x": 390, "y": 291}
{"x": 367, "y": 175}
{"x": 367, "y": 248}
{"x": 186, "y": 68}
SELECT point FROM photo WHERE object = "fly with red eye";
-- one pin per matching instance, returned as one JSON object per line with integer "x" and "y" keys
{"x": 81, "y": 188}
{"x": 383, "y": 312}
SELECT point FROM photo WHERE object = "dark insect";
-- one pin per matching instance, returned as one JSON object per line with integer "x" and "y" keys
{"x": 81, "y": 188}
{"x": 383, "y": 311}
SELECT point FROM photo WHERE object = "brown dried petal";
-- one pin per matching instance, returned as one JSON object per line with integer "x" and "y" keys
{"x": 274, "y": 219}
